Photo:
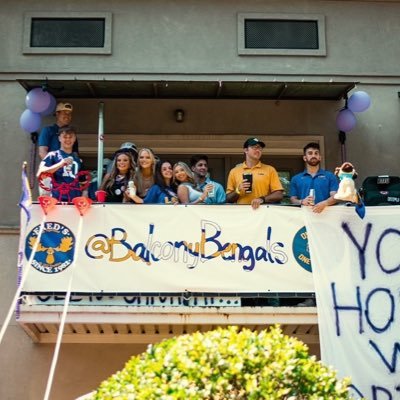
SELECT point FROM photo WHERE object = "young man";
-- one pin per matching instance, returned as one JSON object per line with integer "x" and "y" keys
{"x": 323, "y": 183}
{"x": 48, "y": 138}
{"x": 64, "y": 164}
{"x": 265, "y": 185}
{"x": 199, "y": 166}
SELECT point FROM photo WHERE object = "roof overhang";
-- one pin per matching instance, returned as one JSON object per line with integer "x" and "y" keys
{"x": 191, "y": 89}
{"x": 153, "y": 324}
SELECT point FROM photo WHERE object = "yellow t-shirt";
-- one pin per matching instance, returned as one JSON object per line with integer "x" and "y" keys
{"x": 265, "y": 181}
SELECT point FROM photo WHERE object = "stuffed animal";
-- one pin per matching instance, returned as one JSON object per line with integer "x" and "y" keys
{"x": 347, "y": 189}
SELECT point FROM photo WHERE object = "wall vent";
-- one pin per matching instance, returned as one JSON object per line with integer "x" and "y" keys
{"x": 276, "y": 34}
{"x": 67, "y": 33}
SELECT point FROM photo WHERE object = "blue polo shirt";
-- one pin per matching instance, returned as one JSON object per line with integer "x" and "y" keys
{"x": 323, "y": 182}
{"x": 49, "y": 137}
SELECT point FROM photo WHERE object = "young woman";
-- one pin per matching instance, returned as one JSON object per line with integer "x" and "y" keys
{"x": 144, "y": 177}
{"x": 188, "y": 191}
{"x": 164, "y": 189}
{"x": 117, "y": 181}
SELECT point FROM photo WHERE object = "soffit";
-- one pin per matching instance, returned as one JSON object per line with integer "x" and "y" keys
{"x": 157, "y": 89}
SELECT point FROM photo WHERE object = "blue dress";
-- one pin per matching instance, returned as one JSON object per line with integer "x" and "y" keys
{"x": 157, "y": 195}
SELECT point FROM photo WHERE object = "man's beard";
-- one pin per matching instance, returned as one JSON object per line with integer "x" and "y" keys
{"x": 313, "y": 162}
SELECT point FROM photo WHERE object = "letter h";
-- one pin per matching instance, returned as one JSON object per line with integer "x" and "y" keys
{"x": 338, "y": 308}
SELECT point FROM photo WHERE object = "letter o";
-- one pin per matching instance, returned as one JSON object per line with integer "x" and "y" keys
{"x": 367, "y": 312}
{"x": 378, "y": 251}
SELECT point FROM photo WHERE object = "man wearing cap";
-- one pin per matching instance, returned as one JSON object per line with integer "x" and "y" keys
{"x": 64, "y": 164}
{"x": 265, "y": 186}
{"x": 48, "y": 138}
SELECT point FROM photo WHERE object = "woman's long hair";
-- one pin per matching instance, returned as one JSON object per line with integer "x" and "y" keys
{"x": 130, "y": 176}
{"x": 159, "y": 179}
{"x": 189, "y": 174}
{"x": 139, "y": 170}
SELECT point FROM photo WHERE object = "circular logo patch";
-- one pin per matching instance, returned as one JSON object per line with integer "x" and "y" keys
{"x": 55, "y": 250}
{"x": 300, "y": 249}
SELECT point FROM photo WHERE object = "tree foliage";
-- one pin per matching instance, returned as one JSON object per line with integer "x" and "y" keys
{"x": 225, "y": 364}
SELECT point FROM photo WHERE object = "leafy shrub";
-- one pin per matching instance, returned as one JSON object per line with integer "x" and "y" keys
{"x": 225, "y": 364}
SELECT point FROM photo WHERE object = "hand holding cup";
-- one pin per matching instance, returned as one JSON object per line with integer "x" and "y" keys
{"x": 68, "y": 160}
{"x": 247, "y": 182}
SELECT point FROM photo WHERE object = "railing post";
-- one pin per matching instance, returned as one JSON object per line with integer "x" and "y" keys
{"x": 100, "y": 145}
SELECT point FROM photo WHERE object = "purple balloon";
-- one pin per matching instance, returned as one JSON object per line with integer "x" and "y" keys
{"x": 30, "y": 121}
{"x": 359, "y": 101}
{"x": 345, "y": 120}
{"x": 51, "y": 108}
{"x": 37, "y": 100}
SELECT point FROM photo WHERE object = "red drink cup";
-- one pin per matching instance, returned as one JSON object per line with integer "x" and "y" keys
{"x": 101, "y": 196}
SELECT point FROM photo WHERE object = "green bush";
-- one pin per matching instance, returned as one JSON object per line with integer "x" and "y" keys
{"x": 225, "y": 364}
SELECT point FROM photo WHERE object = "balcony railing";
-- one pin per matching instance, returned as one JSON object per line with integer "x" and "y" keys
{"x": 139, "y": 273}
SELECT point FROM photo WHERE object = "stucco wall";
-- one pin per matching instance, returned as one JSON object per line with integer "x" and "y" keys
{"x": 195, "y": 36}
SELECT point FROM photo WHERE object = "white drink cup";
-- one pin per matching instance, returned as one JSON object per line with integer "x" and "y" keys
{"x": 312, "y": 194}
{"x": 211, "y": 193}
{"x": 131, "y": 188}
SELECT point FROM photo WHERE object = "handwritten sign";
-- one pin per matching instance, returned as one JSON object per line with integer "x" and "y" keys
{"x": 356, "y": 268}
{"x": 127, "y": 248}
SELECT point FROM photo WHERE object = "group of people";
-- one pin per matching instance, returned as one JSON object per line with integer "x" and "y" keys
{"x": 141, "y": 177}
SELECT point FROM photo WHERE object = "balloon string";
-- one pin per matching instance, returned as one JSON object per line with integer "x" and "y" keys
{"x": 64, "y": 316}
{"x": 22, "y": 282}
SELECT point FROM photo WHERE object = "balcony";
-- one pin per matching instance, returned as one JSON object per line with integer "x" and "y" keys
{"x": 142, "y": 273}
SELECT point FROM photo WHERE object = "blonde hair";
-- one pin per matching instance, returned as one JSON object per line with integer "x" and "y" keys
{"x": 139, "y": 170}
{"x": 188, "y": 172}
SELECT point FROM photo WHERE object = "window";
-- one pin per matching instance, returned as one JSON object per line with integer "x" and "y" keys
{"x": 67, "y": 33}
{"x": 281, "y": 34}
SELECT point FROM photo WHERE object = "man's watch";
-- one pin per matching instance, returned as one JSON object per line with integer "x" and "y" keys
{"x": 262, "y": 200}
{"x": 237, "y": 190}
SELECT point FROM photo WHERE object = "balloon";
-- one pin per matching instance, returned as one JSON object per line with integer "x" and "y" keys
{"x": 51, "y": 108}
{"x": 30, "y": 121}
{"x": 359, "y": 101}
{"x": 346, "y": 120}
{"x": 37, "y": 100}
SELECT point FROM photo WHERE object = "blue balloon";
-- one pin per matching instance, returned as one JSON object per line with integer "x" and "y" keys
{"x": 359, "y": 101}
{"x": 30, "y": 121}
{"x": 51, "y": 108}
{"x": 37, "y": 100}
{"x": 346, "y": 120}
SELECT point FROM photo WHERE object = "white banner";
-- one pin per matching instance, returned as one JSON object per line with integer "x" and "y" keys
{"x": 127, "y": 248}
{"x": 356, "y": 268}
